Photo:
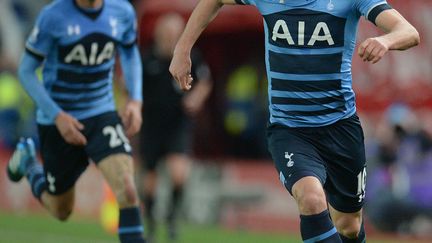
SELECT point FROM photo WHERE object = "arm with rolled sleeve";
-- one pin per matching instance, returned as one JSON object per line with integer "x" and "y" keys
{"x": 399, "y": 33}
{"x": 202, "y": 15}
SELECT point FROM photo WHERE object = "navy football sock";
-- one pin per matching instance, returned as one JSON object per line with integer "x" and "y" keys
{"x": 177, "y": 193}
{"x": 148, "y": 204}
{"x": 361, "y": 238}
{"x": 148, "y": 216}
{"x": 130, "y": 227}
{"x": 36, "y": 178}
{"x": 318, "y": 228}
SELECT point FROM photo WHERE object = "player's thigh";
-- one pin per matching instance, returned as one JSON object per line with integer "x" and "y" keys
{"x": 63, "y": 162}
{"x": 294, "y": 155}
{"x": 109, "y": 149}
{"x": 115, "y": 168}
{"x": 346, "y": 166}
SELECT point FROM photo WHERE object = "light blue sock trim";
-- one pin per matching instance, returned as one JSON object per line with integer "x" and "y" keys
{"x": 322, "y": 236}
{"x": 131, "y": 229}
{"x": 38, "y": 183}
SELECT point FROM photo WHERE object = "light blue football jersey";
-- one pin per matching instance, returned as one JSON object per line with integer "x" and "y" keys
{"x": 79, "y": 47}
{"x": 309, "y": 46}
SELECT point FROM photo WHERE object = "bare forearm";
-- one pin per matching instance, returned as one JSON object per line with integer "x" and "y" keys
{"x": 402, "y": 38}
{"x": 181, "y": 64}
{"x": 400, "y": 34}
{"x": 203, "y": 14}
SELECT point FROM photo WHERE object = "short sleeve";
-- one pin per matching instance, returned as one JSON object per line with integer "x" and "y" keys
{"x": 370, "y": 9}
{"x": 41, "y": 38}
{"x": 130, "y": 34}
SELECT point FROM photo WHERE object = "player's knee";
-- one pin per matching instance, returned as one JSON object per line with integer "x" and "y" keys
{"x": 62, "y": 214}
{"x": 310, "y": 196}
{"x": 59, "y": 206}
{"x": 351, "y": 232}
{"x": 311, "y": 203}
{"x": 348, "y": 227}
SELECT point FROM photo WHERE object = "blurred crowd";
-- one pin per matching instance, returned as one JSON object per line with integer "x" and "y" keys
{"x": 398, "y": 140}
{"x": 399, "y": 193}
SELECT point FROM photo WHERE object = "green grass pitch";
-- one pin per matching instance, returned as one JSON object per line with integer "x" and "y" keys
{"x": 31, "y": 228}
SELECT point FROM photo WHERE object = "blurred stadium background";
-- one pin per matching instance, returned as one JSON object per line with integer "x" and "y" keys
{"x": 233, "y": 194}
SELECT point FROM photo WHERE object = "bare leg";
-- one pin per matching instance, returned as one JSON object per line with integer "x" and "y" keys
{"x": 118, "y": 171}
{"x": 349, "y": 225}
{"x": 59, "y": 206}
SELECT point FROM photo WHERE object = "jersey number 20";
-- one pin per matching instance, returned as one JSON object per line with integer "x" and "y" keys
{"x": 117, "y": 136}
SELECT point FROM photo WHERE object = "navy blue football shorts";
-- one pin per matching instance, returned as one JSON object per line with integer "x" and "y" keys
{"x": 64, "y": 163}
{"x": 334, "y": 154}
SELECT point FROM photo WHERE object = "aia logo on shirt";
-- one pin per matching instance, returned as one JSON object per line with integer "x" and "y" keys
{"x": 305, "y": 28}
{"x": 92, "y": 50}
{"x": 321, "y": 33}
{"x": 96, "y": 56}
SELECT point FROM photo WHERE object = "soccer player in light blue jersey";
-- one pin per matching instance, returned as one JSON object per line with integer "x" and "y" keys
{"x": 314, "y": 135}
{"x": 75, "y": 42}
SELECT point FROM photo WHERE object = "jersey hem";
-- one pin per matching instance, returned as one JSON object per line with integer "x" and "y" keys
{"x": 46, "y": 122}
{"x": 299, "y": 125}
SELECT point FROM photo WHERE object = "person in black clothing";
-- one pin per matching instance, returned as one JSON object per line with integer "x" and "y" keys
{"x": 166, "y": 130}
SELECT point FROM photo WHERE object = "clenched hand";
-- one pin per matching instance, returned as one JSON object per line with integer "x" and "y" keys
{"x": 372, "y": 50}
{"x": 180, "y": 69}
{"x": 131, "y": 117}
